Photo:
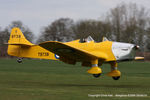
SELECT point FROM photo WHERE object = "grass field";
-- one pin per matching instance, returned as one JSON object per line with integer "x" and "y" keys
{"x": 54, "y": 80}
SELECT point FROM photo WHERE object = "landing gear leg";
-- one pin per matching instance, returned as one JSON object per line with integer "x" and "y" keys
{"x": 115, "y": 73}
{"x": 95, "y": 70}
{"x": 19, "y": 60}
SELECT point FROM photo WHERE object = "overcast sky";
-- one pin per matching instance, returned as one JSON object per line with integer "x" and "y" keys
{"x": 39, "y": 13}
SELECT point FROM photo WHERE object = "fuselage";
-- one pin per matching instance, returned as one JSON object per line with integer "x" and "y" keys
{"x": 115, "y": 51}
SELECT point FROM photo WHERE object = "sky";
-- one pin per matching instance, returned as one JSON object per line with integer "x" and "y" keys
{"x": 37, "y": 14}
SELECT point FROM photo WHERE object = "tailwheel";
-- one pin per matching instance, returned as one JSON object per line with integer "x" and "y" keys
{"x": 97, "y": 75}
{"x": 116, "y": 77}
{"x": 19, "y": 60}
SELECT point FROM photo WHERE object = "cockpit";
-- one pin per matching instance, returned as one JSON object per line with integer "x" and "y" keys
{"x": 88, "y": 39}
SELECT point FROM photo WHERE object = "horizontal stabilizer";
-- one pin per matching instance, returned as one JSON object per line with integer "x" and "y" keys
{"x": 29, "y": 45}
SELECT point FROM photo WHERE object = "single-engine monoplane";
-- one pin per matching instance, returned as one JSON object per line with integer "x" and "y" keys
{"x": 90, "y": 53}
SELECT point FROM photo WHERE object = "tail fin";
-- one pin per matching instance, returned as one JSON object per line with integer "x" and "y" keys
{"x": 19, "y": 46}
{"x": 16, "y": 42}
{"x": 17, "y": 38}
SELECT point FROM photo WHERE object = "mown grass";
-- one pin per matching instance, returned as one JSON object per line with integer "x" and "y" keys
{"x": 54, "y": 80}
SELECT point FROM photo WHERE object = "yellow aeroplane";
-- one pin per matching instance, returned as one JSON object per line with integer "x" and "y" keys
{"x": 88, "y": 52}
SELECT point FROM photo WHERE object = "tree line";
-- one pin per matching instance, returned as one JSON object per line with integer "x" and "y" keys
{"x": 124, "y": 23}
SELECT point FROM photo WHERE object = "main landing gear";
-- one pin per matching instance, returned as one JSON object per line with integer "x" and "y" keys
{"x": 95, "y": 70}
{"x": 115, "y": 73}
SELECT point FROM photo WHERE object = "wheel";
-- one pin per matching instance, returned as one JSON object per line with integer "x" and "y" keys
{"x": 116, "y": 78}
{"x": 96, "y": 75}
{"x": 19, "y": 60}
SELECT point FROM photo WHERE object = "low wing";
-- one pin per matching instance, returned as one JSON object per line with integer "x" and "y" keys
{"x": 71, "y": 52}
